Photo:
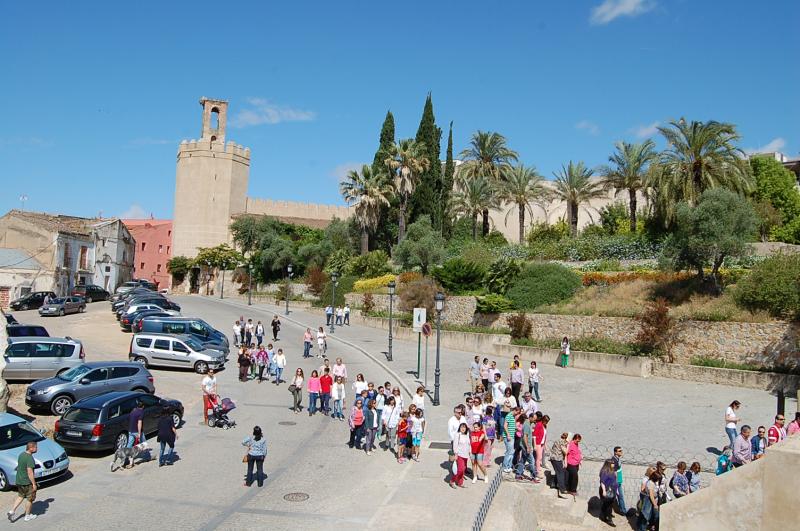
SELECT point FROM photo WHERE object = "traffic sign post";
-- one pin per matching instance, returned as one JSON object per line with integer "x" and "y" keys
{"x": 426, "y": 331}
{"x": 417, "y": 324}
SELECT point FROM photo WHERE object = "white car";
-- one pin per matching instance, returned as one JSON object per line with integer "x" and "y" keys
{"x": 133, "y": 308}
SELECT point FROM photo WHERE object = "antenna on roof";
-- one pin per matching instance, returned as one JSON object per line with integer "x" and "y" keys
{"x": 22, "y": 200}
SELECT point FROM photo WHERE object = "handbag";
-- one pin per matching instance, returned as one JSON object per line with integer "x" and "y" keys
{"x": 244, "y": 459}
{"x": 292, "y": 388}
{"x": 451, "y": 456}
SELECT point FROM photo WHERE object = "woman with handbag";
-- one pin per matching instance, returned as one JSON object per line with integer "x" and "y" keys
{"x": 557, "y": 455}
{"x": 607, "y": 491}
{"x": 256, "y": 452}
{"x": 296, "y": 388}
{"x": 356, "y": 421}
{"x": 461, "y": 448}
{"x": 648, "y": 502}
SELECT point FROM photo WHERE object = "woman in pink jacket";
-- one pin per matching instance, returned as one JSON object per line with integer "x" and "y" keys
{"x": 574, "y": 458}
{"x": 313, "y": 392}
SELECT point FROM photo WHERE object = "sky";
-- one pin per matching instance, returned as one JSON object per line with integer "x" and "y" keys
{"x": 98, "y": 95}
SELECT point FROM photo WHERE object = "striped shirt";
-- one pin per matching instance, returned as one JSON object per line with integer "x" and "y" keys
{"x": 511, "y": 423}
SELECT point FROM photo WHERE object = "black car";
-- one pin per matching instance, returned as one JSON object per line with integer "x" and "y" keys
{"x": 146, "y": 284}
{"x": 26, "y": 330}
{"x": 101, "y": 422}
{"x": 91, "y": 293}
{"x": 127, "y": 322}
{"x": 138, "y": 290}
{"x": 32, "y": 300}
{"x": 135, "y": 297}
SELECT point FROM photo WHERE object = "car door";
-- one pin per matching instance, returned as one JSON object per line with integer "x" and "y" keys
{"x": 45, "y": 360}
{"x": 76, "y": 303}
{"x": 18, "y": 362}
{"x": 161, "y": 353}
{"x": 121, "y": 378}
{"x": 152, "y": 410}
{"x": 181, "y": 353}
{"x": 97, "y": 383}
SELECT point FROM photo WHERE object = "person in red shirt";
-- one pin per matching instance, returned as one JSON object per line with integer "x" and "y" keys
{"x": 402, "y": 437}
{"x": 776, "y": 432}
{"x": 325, "y": 383}
{"x": 539, "y": 440}
{"x": 477, "y": 442}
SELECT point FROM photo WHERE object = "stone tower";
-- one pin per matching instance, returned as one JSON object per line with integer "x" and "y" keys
{"x": 210, "y": 184}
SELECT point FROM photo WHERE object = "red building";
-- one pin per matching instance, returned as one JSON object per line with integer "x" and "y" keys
{"x": 153, "y": 249}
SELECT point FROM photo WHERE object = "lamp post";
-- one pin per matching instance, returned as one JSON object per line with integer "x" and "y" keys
{"x": 439, "y": 300}
{"x": 334, "y": 283}
{"x": 288, "y": 283}
{"x": 249, "y": 284}
{"x": 392, "y": 285}
{"x": 208, "y": 275}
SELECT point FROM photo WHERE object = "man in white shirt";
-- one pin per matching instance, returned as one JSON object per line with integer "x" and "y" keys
{"x": 498, "y": 395}
{"x": 455, "y": 421}
{"x": 209, "y": 387}
{"x": 474, "y": 373}
{"x": 528, "y": 405}
{"x": 237, "y": 333}
{"x": 492, "y": 371}
{"x": 347, "y": 314}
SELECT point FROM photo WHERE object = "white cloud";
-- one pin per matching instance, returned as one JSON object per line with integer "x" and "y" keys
{"x": 134, "y": 211}
{"x": 613, "y": 9}
{"x": 776, "y": 144}
{"x": 341, "y": 171}
{"x": 590, "y": 127}
{"x": 646, "y": 131}
{"x": 263, "y": 111}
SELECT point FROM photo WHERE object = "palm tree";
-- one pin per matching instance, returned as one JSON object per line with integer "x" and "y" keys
{"x": 575, "y": 187}
{"x": 523, "y": 187}
{"x": 628, "y": 171}
{"x": 699, "y": 156}
{"x": 488, "y": 155}
{"x": 368, "y": 191}
{"x": 473, "y": 196}
{"x": 406, "y": 161}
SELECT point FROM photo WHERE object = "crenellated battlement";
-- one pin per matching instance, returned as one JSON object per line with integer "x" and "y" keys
{"x": 296, "y": 209}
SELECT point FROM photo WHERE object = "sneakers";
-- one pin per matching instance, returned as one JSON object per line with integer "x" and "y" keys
{"x": 474, "y": 479}
{"x": 10, "y": 515}
{"x": 29, "y": 517}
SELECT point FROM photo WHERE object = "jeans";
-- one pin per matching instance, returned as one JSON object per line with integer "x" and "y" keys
{"x": 355, "y": 436}
{"x": 535, "y": 391}
{"x": 325, "y": 402}
{"x": 526, "y": 458}
{"x": 498, "y": 420}
{"x": 298, "y": 399}
{"x": 312, "y": 403}
{"x": 516, "y": 387}
{"x": 261, "y": 373}
{"x": 306, "y": 349}
{"x": 347, "y": 319}
{"x": 509, "y": 455}
{"x": 605, "y": 505}
{"x": 731, "y": 435}
{"x": 572, "y": 478}
{"x": 258, "y": 461}
{"x": 370, "y": 443}
{"x": 328, "y": 317}
{"x": 278, "y": 374}
{"x": 338, "y": 319}
{"x": 248, "y": 338}
{"x": 259, "y": 339}
{"x": 132, "y": 439}
{"x": 161, "y": 458}
{"x": 623, "y": 510}
{"x": 560, "y": 475}
{"x": 337, "y": 408}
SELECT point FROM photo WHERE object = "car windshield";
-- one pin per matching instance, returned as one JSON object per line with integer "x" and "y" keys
{"x": 83, "y": 415}
{"x": 194, "y": 345}
{"x": 58, "y": 301}
{"x": 18, "y": 434}
{"x": 74, "y": 373}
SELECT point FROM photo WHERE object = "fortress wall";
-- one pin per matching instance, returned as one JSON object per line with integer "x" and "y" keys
{"x": 292, "y": 209}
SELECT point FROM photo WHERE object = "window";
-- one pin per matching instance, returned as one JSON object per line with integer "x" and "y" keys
{"x": 144, "y": 244}
{"x": 148, "y": 400}
{"x": 179, "y": 347}
{"x": 161, "y": 344}
{"x": 158, "y": 268}
{"x": 141, "y": 266}
{"x": 167, "y": 249}
{"x": 173, "y": 328}
{"x": 197, "y": 329}
{"x": 124, "y": 256}
{"x": 127, "y": 406}
{"x": 97, "y": 375}
{"x": 160, "y": 249}
{"x": 17, "y": 350}
{"x": 104, "y": 242}
{"x": 67, "y": 257}
{"x": 123, "y": 372}
{"x": 84, "y": 257}
{"x": 143, "y": 342}
{"x": 169, "y": 233}
{"x": 47, "y": 350}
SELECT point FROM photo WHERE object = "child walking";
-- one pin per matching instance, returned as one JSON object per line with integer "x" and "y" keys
{"x": 402, "y": 437}
{"x": 417, "y": 432}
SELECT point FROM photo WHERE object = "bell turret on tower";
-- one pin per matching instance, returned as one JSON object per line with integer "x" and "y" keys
{"x": 215, "y": 113}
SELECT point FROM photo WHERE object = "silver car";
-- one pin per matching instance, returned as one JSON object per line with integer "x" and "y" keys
{"x": 15, "y": 433}
{"x": 33, "y": 358}
{"x": 63, "y": 305}
{"x": 174, "y": 351}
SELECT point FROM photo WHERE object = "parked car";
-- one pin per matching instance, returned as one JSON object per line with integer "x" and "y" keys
{"x": 199, "y": 329}
{"x": 50, "y": 459}
{"x": 128, "y": 322}
{"x": 127, "y": 289}
{"x": 174, "y": 351}
{"x": 135, "y": 297}
{"x": 136, "y": 307}
{"x": 91, "y": 293}
{"x": 63, "y": 305}
{"x": 89, "y": 379}
{"x": 146, "y": 283}
{"x": 26, "y": 330}
{"x": 32, "y": 358}
{"x": 101, "y": 422}
{"x": 31, "y": 301}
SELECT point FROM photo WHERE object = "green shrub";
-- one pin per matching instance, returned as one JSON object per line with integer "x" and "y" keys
{"x": 521, "y": 327}
{"x": 345, "y": 286}
{"x": 708, "y": 361}
{"x": 594, "y": 230}
{"x": 773, "y": 285}
{"x": 493, "y": 303}
{"x": 474, "y": 329}
{"x": 338, "y": 261}
{"x": 544, "y": 232}
{"x": 476, "y": 252}
{"x": 495, "y": 238}
{"x": 372, "y": 264}
{"x": 458, "y": 275}
{"x": 615, "y": 217}
{"x": 543, "y": 283}
{"x": 593, "y": 247}
{"x": 418, "y": 294}
{"x": 501, "y": 274}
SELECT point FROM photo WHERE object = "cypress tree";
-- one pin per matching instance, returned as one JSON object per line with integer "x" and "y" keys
{"x": 447, "y": 187}
{"x": 386, "y": 233}
{"x": 425, "y": 200}
{"x": 385, "y": 144}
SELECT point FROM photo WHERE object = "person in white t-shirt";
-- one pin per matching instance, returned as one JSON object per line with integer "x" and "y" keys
{"x": 237, "y": 333}
{"x": 731, "y": 420}
{"x": 498, "y": 395}
{"x": 322, "y": 342}
{"x": 209, "y": 387}
{"x": 419, "y": 398}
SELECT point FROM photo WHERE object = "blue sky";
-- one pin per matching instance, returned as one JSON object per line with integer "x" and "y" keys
{"x": 97, "y": 95}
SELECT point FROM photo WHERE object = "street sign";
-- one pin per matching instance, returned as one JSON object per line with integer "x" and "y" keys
{"x": 419, "y": 319}
{"x": 426, "y": 329}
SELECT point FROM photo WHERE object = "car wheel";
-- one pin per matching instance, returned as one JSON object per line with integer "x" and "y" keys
{"x": 60, "y": 405}
{"x": 4, "y": 486}
{"x": 82, "y": 309}
{"x": 176, "y": 419}
{"x": 61, "y": 312}
{"x": 142, "y": 360}
{"x": 88, "y": 300}
{"x": 201, "y": 367}
{"x": 23, "y": 307}
{"x": 140, "y": 390}
{"x": 121, "y": 441}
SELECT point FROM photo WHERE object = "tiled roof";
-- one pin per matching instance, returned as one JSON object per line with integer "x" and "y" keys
{"x": 59, "y": 222}
{"x": 17, "y": 259}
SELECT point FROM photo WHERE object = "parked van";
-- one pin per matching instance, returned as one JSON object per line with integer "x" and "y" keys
{"x": 174, "y": 351}
{"x": 32, "y": 358}
{"x": 193, "y": 326}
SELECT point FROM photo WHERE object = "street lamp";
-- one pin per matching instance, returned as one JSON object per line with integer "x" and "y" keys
{"x": 334, "y": 282}
{"x": 288, "y": 283}
{"x": 392, "y": 285}
{"x": 439, "y": 300}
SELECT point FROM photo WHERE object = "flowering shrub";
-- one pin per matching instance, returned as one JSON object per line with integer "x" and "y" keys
{"x": 409, "y": 276}
{"x": 371, "y": 285}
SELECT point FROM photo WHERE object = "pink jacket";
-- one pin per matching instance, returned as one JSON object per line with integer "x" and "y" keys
{"x": 314, "y": 385}
{"x": 574, "y": 455}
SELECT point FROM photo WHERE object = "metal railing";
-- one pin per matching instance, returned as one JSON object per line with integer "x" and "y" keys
{"x": 486, "y": 503}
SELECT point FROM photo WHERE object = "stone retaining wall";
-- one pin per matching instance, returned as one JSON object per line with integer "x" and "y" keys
{"x": 766, "y": 381}
{"x": 592, "y": 361}
{"x": 457, "y": 309}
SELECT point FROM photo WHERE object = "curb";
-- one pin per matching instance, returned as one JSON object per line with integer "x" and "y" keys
{"x": 378, "y": 361}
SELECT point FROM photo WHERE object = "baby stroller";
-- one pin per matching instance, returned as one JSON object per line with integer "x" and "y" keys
{"x": 219, "y": 413}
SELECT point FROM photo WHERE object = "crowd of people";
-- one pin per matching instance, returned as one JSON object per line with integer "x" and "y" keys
{"x": 340, "y": 315}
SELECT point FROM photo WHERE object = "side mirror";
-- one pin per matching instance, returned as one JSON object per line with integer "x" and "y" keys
{"x": 85, "y": 381}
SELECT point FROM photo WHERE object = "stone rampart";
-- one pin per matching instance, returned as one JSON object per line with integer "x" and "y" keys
{"x": 293, "y": 209}
{"x": 457, "y": 310}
